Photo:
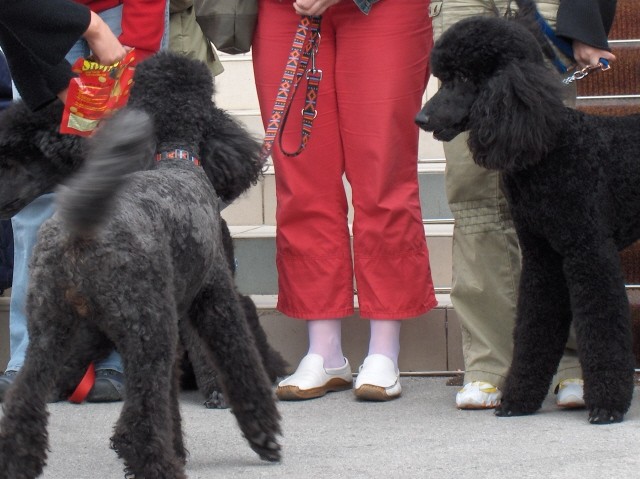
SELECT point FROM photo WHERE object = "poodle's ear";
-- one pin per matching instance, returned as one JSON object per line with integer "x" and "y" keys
{"x": 230, "y": 156}
{"x": 34, "y": 157}
{"x": 515, "y": 118}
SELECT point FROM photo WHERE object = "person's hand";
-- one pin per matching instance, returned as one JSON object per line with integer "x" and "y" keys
{"x": 586, "y": 55}
{"x": 313, "y": 7}
{"x": 104, "y": 45}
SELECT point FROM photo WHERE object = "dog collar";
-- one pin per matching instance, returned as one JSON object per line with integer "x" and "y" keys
{"x": 177, "y": 154}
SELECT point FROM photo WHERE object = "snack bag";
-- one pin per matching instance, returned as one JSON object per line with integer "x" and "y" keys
{"x": 95, "y": 93}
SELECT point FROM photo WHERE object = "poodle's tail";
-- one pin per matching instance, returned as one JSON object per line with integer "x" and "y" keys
{"x": 122, "y": 145}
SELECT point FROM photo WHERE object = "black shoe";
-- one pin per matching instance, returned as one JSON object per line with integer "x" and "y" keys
{"x": 109, "y": 386}
{"x": 6, "y": 380}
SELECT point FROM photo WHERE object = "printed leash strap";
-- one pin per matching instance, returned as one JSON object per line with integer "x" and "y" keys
{"x": 301, "y": 60}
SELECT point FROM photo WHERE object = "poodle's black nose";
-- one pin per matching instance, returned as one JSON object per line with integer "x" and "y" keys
{"x": 422, "y": 120}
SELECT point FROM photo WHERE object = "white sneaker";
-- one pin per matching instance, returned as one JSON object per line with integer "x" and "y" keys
{"x": 570, "y": 394}
{"x": 478, "y": 395}
{"x": 313, "y": 380}
{"x": 378, "y": 379}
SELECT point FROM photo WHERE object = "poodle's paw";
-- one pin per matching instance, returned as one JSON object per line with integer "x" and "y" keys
{"x": 508, "y": 408}
{"x": 275, "y": 365}
{"x": 605, "y": 416}
{"x": 265, "y": 445}
{"x": 216, "y": 400}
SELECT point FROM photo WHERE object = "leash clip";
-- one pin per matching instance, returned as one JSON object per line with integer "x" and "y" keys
{"x": 313, "y": 72}
{"x": 603, "y": 65}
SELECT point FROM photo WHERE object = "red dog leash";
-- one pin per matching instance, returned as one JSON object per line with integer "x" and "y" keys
{"x": 301, "y": 60}
{"x": 86, "y": 383}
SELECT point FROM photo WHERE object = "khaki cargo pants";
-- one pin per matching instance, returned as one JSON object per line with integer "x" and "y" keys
{"x": 486, "y": 255}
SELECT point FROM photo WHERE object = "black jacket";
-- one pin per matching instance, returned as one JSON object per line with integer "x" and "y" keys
{"x": 588, "y": 21}
{"x": 35, "y": 35}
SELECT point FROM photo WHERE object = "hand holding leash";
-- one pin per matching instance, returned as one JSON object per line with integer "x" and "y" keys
{"x": 602, "y": 65}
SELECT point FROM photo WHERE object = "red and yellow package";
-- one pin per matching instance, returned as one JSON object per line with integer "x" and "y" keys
{"x": 95, "y": 93}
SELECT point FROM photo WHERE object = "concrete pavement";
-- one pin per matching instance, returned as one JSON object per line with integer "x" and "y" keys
{"x": 421, "y": 435}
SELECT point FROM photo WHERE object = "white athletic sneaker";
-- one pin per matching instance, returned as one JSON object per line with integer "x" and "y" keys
{"x": 478, "y": 395}
{"x": 570, "y": 394}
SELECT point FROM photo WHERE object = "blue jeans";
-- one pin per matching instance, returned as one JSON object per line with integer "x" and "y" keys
{"x": 25, "y": 230}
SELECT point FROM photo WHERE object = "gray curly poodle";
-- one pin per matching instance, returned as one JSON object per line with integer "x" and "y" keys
{"x": 134, "y": 256}
{"x": 572, "y": 184}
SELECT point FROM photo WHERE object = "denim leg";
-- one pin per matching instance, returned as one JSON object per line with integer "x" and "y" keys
{"x": 25, "y": 230}
{"x": 113, "y": 361}
{"x": 113, "y": 18}
{"x": 164, "y": 43}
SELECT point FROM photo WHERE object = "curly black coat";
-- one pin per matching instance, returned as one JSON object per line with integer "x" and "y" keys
{"x": 135, "y": 253}
{"x": 571, "y": 180}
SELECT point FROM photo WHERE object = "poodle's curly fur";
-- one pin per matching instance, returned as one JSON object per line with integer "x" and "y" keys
{"x": 571, "y": 181}
{"x": 135, "y": 256}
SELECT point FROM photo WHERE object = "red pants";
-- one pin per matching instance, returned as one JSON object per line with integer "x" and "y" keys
{"x": 375, "y": 70}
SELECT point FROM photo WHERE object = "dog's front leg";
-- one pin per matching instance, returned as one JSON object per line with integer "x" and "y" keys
{"x": 603, "y": 330}
{"x": 541, "y": 331}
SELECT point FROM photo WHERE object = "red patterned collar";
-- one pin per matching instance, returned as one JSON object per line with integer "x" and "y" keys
{"x": 177, "y": 154}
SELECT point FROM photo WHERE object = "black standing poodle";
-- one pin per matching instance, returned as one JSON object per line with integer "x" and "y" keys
{"x": 572, "y": 181}
{"x": 134, "y": 254}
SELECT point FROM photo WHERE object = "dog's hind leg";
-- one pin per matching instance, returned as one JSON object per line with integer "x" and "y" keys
{"x": 273, "y": 362}
{"x": 541, "y": 331}
{"x": 203, "y": 367}
{"x": 144, "y": 436}
{"x": 271, "y": 359}
{"x": 23, "y": 428}
{"x": 603, "y": 331}
{"x": 217, "y": 316}
{"x": 176, "y": 417}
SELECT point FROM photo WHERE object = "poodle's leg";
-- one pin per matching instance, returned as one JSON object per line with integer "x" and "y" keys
{"x": 23, "y": 428}
{"x": 205, "y": 373}
{"x": 603, "y": 330}
{"x": 145, "y": 435}
{"x": 203, "y": 368}
{"x": 218, "y": 318}
{"x": 541, "y": 330}
{"x": 273, "y": 361}
{"x": 178, "y": 440}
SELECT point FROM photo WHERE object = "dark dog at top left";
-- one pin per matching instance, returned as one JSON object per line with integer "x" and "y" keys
{"x": 134, "y": 254}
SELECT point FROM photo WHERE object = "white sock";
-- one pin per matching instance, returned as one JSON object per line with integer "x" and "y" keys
{"x": 385, "y": 338}
{"x": 325, "y": 339}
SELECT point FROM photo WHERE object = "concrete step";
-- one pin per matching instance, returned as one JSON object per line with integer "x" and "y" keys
{"x": 258, "y": 205}
{"x": 431, "y": 343}
{"x": 611, "y": 106}
{"x": 255, "y": 252}
{"x": 235, "y": 88}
